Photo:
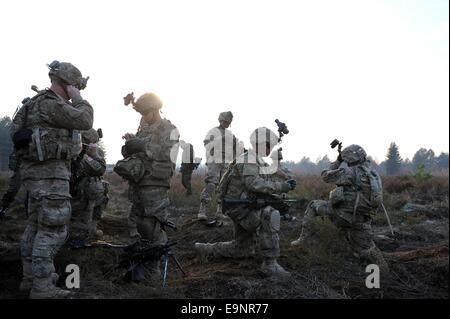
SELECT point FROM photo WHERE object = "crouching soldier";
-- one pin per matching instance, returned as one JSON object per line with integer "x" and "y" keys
{"x": 357, "y": 194}
{"x": 247, "y": 181}
{"x": 88, "y": 189}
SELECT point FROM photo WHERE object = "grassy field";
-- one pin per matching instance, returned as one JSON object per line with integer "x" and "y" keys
{"x": 417, "y": 253}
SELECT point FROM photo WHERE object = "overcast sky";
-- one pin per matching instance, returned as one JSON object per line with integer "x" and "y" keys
{"x": 367, "y": 72}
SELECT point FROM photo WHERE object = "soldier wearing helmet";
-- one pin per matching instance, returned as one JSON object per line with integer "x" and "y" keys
{"x": 248, "y": 177}
{"x": 154, "y": 148}
{"x": 88, "y": 189}
{"x": 46, "y": 135}
{"x": 222, "y": 147}
{"x": 350, "y": 204}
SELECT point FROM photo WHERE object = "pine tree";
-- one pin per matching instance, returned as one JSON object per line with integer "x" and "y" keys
{"x": 394, "y": 161}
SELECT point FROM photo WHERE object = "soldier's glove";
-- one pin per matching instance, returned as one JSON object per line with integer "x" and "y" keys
{"x": 133, "y": 146}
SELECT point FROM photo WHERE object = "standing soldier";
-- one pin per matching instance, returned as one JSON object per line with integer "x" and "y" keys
{"x": 149, "y": 164}
{"x": 358, "y": 192}
{"x": 88, "y": 189}
{"x": 222, "y": 147}
{"x": 46, "y": 135}
{"x": 15, "y": 183}
{"x": 188, "y": 164}
{"x": 245, "y": 185}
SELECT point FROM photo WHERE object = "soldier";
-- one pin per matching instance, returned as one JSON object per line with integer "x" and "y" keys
{"x": 15, "y": 183}
{"x": 46, "y": 134}
{"x": 188, "y": 164}
{"x": 249, "y": 178}
{"x": 150, "y": 163}
{"x": 88, "y": 189}
{"x": 358, "y": 192}
{"x": 221, "y": 149}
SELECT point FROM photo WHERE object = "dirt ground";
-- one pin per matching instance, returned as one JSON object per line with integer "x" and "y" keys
{"x": 417, "y": 253}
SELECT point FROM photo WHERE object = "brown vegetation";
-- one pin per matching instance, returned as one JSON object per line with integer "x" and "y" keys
{"x": 417, "y": 253}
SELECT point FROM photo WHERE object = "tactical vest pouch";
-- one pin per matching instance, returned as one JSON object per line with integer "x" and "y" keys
{"x": 161, "y": 170}
{"x": 22, "y": 138}
{"x": 50, "y": 143}
{"x": 337, "y": 196}
{"x": 95, "y": 188}
{"x": 131, "y": 168}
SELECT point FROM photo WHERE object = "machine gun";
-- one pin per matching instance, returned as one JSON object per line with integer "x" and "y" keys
{"x": 279, "y": 203}
{"x": 136, "y": 256}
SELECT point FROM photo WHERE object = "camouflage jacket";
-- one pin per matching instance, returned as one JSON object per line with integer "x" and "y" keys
{"x": 87, "y": 173}
{"x": 249, "y": 178}
{"x": 55, "y": 122}
{"x": 351, "y": 180}
{"x": 160, "y": 141}
{"x": 221, "y": 146}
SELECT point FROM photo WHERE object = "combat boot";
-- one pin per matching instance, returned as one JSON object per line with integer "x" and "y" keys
{"x": 44, "y": 288}
{"x": 204, "y": 249}
{"x": 302, "y": 239}
{"x": 201, "y": 216}
{"x": 271, "y": 267}
{"x": 98, "y": 233}
{"x": 27, "y": 281}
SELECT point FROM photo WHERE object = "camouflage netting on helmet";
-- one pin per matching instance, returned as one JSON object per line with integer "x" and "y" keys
{"x": 354, "y": 154}
{"x": 226, "y": 116}
{"x": 90, "y": 136}
{"x": 147, "y": 102}
{"x": 263, "y": 135}
{"x": 68, "y": 73}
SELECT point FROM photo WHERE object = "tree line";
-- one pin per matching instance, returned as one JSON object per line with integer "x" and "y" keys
{"x": 424, "y": 160}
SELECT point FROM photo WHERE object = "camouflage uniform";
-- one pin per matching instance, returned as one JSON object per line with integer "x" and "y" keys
{"x": 349, "y": 207}
{"x": 246, "y": 179}
{"x": 45, "y": 173}
{"x": 88, "y": 189}
{"x": 221, "y": 149}
{"x": 149, "y": 196}
{"x": 187, "y": 166}
{"x": 15, "y": 182}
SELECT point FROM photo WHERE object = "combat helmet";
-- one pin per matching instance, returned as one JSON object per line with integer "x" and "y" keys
{"x": 354, "y": 154}
{"x": 226, "y": 116}
{"x": 90, "y": 136}
{"x": 147, "y": 102}
{"x": 67, "y": 73}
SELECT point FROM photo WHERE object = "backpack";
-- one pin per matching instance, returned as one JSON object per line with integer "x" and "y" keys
{"x": 376, "y": 187}
{"x": 131, "y": 168}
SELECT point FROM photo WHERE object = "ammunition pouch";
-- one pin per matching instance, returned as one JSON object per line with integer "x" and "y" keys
{"x": 161, "y": 170}
{"x": 131, "y": 168}
{"x": 50, "y": 143}
{"x": 337, "y": 196}
{"x": 22, "y": 138}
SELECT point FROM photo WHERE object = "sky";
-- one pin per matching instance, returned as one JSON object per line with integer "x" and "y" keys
{"x": 366, "y": 72}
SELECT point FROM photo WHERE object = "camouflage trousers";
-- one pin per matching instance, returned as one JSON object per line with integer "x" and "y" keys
{"x": 84, "y": 214}
{"x": 213, "y": 175}
{"x": 358, "y": 233}
{"x": 149, "y": 207}
{"x": 49, "y": 213}
{"x": 251, "y": 227}
{"x": 186, "y": 178}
